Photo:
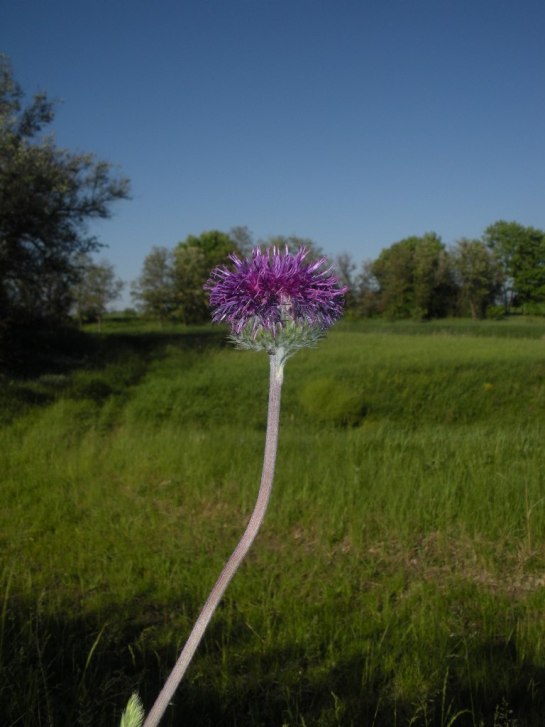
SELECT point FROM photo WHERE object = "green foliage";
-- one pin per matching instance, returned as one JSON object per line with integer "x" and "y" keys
{"x": 398, "y": 575}
{"x": 133, "y": 716}
{"x": 47, "y": 195}
{"x": 479, "y": 276}
{"x": 193, "y": 261}
{"x": 414, "y": 278}
{"x": 495, "y": 312}
{"x": 154, "y": 290}
{"x": 521, "y": 252}
{"x": 96, "y": 288}
{"x": 191, "y": 271}
{"x": 332, "y": 401}
{"x": 216, "y": 246}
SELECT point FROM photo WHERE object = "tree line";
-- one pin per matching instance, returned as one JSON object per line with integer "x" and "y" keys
{"x": 422, "y": 278}
{"x": 418, "y": 277}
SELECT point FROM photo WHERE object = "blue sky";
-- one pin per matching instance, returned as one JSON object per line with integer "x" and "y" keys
{"x": 355, "y": 123}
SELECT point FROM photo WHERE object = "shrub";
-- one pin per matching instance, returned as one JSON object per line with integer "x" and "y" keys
{"x": 332, "y": 401}
{"x": 495, "y": 312}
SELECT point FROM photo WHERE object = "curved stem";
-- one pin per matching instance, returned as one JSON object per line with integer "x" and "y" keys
{"x": 230, "y": 568}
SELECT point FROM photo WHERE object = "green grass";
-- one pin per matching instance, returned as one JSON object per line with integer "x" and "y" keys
{"x": 397, "y": 580}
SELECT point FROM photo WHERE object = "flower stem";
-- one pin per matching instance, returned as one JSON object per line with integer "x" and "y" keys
{"x": 238, "y": 555}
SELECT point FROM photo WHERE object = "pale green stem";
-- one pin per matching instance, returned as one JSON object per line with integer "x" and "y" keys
{"x": 275, "y": 388}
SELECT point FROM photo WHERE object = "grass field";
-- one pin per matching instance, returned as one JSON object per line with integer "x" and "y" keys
{"x": 399, "y": 578}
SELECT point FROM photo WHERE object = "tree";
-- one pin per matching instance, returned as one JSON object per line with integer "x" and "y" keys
{"x": 194, "y": 259}
{"x": 48, "y": 195}
{"x": 521, "y": 253}
{"x": 345, "y": 268}
{"x": 216, "y": 246}
{"x": 243, "y": 239}
{"x": 96, "y": 288}
{"x": 191, "y": 271}
{"x": 367, "y": 291}
{"x": 478, "y": 275}
{"x": 414, "y": 278}
{"x": 154, "y": 291}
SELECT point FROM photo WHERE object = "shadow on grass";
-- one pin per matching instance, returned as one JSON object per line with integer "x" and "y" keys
{"x": 29, "y": 352}
{"x": 38, "y": 365}
{"x": 62, "y": 671}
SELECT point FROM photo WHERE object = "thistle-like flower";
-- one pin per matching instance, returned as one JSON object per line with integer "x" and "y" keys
{"x": 275, "y": 301}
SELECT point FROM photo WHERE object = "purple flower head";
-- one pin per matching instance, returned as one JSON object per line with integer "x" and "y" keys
{"x": 275, "y": 299}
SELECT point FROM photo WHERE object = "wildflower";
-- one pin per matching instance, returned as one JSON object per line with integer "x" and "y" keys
{"x": 274, "y": 300}
{"x": 277, "y": 302}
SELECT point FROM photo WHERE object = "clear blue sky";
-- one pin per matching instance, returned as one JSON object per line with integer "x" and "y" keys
{"x": 353, "y": 122}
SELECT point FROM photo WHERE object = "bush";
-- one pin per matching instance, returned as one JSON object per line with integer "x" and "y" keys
{"x": 495, "y": 312}
{"x": 533, "y": 309}
{"x": 332, "y": 401}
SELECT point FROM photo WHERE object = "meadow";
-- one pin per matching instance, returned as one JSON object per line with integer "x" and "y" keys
{"x": 398, "y": 578}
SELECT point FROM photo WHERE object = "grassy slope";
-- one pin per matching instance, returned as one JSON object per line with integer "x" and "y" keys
{"x": 399, "y": 573}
